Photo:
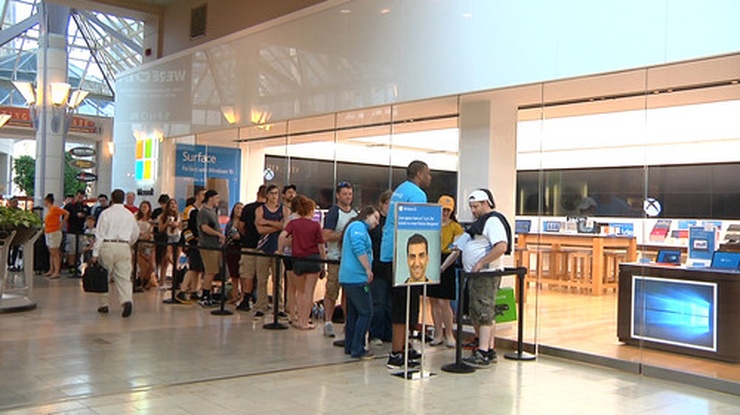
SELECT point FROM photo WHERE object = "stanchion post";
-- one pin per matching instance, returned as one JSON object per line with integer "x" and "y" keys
{"x": 222, "y": 311}
{"x": 520, "y": 354}
{"x": 459, "y": 366}
{"x": 276, "y": 275}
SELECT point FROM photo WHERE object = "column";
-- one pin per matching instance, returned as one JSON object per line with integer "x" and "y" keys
{"x": 50, "y": 134}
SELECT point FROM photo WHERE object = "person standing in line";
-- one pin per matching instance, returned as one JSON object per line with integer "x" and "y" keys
{"x": 380, "y": 324}
{"x": 336, "y": 219}
{"x": 130, "y": 200}
{"x": 54, "y": 221}
{"x": 101, "y": 206}
{"x": 307, "y": 240}
{"x": 160, "y": 236}
{"x": 269, "y": 220}
{"x": 418, "y": 178}
{"x": 115, "y": 232}
{"x": 355, "y": 275}
{"x": 441, "y": 294}
{"x": 78, "y": 212}
{"x": 483, "y": 246}
{"x": 144, "y": 259}
{"x": 233, "y": 246}
{"x": 171, "y": 225}
{"x": 249, "y": 237}
{"x": 291, "y": 297}
{"x": 210, "y": 239}
{"x": 189, "y": 286}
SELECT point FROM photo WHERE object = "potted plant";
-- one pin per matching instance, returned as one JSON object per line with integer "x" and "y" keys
{"x": 25, "y": 223}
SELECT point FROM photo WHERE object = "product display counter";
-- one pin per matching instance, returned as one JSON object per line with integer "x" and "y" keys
{"x": 576, "y": 259}
{"x": 694, "y": 311}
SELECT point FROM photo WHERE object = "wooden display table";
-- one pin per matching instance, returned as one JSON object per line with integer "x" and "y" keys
{"x": 558, "y": 243}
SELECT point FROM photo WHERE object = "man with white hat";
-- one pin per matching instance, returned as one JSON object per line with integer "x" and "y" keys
{"x": 483, "y": 246}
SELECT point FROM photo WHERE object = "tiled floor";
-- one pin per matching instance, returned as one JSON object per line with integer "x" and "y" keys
{"x": 65, "y": 358}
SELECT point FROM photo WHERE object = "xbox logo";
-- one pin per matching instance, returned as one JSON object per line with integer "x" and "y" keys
{"x": 651, "y": 207}
{"x": 268, "y": 174}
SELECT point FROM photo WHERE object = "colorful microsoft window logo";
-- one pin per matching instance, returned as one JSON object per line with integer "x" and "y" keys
{"x": 146, "y": 159}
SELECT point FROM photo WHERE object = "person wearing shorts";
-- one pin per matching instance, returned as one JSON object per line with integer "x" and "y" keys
{"x": 55, "y": 217}
{"x": 210, "y": 240}
{"x": 483, "y": 246}
{"x": 418, "y": 177}
{"x": 336, "y": 219}
{"x": 249, "y": 239}
{"x": 189, "y": 236}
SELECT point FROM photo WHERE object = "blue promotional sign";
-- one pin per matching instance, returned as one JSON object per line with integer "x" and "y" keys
{"x": 217, "y": 168}
{"x": 418, "y": 236}
{"x": 701, "y": 245}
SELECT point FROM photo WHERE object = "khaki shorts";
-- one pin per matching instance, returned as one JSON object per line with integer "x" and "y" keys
{"x": 248, "y": 265}
{"x": 54, "y": 239}
{"x": 482, "y": 294}
{"x": 332, "y": 282}
{"x": 211, "y": 261}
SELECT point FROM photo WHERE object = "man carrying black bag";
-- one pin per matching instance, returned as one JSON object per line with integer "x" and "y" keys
{"x": 115, "y": 233}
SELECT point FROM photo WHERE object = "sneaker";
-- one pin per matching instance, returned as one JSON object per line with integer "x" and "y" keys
{"x": 244, "y": 305}
{"x": 282, "y": 315}
{"x": 478, "y": 359}
{"x": 329, "y": 329}
{"x": 395, "y": 361}
{"x": 207, "y": 302}
{"x": 376, "y": 342}
{"x": 182, "y": 298}
{"x": 258, "y": 315}
{"x": 194, "y": 297}
{"x": 437, "y": 342}
{"x": 492, "y": 356}
{"x": 413, "y": 354}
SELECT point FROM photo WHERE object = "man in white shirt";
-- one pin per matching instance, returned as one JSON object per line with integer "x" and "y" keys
{"x": 115, "y": 232}
{"x": 483, "y": 246}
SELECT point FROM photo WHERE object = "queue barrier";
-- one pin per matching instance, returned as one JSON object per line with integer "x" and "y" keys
{"x": 458, "y": 366}
{"x": 275, "y": 325}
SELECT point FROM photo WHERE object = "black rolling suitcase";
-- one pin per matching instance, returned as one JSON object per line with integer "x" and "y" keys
{"x": 40, "y": 256}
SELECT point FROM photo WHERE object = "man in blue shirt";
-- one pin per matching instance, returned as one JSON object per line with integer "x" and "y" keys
{"x": 418, "y": 177}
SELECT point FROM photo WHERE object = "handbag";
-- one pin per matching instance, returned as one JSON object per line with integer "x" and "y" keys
{"x": 95, "y": 279}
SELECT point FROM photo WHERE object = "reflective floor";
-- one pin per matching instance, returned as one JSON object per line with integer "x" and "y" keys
{"x": 65, "y": 358}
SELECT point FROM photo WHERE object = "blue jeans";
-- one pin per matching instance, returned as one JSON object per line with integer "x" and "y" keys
{"x": 359, "y": 313}
{"x": 380, "y": 324}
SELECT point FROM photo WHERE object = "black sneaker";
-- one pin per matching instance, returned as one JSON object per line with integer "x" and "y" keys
{"x": 413, "y": 354}
{"x": 244, "y": 305}
{"x": 395, "y": 361}
{"x": 207, "y": 302}
{"x": 282, "y": 314}
{"x": 492, "y": 356}
{"x": 194, "y": 297}
{"x": 478, "y": 359}
{"x": 259, "y": 314}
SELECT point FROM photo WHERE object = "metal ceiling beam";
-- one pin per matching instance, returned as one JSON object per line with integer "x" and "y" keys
{"x": 111, "y": 31}
{"x": 13, "y": 31}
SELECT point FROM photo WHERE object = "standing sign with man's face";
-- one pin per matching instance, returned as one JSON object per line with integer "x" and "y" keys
{"x": 418, "y": 253}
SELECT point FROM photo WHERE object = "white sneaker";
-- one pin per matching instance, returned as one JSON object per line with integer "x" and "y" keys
{"x": 329, "y": 329}
{"x": 376, "y": 342}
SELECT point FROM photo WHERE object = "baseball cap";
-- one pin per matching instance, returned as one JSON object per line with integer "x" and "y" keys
{"x": 481, "y": 195}
{"x": 447, "y": 202}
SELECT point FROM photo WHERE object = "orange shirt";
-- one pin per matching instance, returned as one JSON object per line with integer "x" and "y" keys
{"x": 52, "y": 220}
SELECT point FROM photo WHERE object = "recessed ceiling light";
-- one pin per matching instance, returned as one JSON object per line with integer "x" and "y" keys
{"x": 345, "y": 11}
{"x": 385, "y": 11}
{"x": 467, "y": 15}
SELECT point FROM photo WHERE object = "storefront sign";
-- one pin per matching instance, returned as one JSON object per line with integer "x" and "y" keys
{"x": 217, "y": 168}
{"x": 82, "y": 152}
{"x": 82, "y": 164}
{"x": 86, "y": 177}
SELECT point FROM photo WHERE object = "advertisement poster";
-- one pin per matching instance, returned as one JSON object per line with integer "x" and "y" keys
{"x": 701, "y": 245}
{"x": 217, "y": 168}
{"x": 418, "y": 252}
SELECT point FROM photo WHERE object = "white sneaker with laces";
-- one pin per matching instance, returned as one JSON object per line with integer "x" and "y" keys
{"x": 329, "y": 329}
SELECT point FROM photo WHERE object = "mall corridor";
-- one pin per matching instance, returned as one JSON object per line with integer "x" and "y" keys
{"x": 63, "y": 357}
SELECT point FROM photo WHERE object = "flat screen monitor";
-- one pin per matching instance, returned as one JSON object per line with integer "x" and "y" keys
{"x": 522, "y": 225}
{"x": 669, "y": 256}
{"x": 726, "y": 260}
{"x": 676, "y": 312}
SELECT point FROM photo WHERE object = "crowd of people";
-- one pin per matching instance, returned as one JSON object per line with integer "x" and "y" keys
{"x": 352, "y": 249}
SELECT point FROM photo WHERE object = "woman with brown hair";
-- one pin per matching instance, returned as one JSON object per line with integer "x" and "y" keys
{"x": 145, "y": 250}
{"x": 171, "y": 222}
{"x": 307, "y": 242}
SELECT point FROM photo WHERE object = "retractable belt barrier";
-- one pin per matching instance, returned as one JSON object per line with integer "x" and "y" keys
{"x": 459, "y": 366}
{"x": 275, "y": 325}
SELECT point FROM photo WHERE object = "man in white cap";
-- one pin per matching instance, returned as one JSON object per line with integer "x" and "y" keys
{"x": 483, "y": 246}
